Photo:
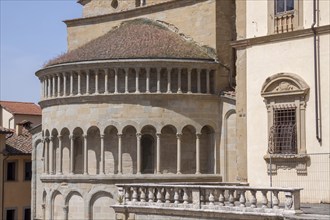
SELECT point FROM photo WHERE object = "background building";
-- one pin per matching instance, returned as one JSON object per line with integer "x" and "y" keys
{"x": 15, "y": 158}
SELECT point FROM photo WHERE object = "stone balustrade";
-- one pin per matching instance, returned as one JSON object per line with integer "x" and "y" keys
{"x": 125, "y": 80}
{"x": 211, "y": 197}
{"x": 284, "y": 23}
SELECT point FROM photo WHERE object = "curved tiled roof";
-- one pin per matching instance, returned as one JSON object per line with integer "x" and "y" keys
{"x": 139, "y": 38}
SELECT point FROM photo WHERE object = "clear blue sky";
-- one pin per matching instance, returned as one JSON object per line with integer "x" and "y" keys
{"x": 32, "y": 32}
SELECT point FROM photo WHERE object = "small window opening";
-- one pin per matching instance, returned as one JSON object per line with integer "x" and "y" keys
{"x": 11, "y": 171}
{"x": 283, "y": 6}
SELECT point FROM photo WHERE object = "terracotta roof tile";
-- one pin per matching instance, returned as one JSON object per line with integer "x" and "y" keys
{"x": 5, "y": 130}
{"x": 20, "y": 144}
{"x": 139, "y": 38}
{"x": 21, "y": 108}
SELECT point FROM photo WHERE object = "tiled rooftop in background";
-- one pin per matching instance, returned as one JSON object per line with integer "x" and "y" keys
{"x": 21, "y": 108}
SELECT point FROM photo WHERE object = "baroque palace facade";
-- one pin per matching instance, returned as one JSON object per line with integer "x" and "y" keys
{"x": 146, "y": 94}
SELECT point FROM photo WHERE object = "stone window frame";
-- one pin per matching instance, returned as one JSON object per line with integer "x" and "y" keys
{"x": 297, "y": 14}
{"x": 11, "y": 208}
{"x": 287, "y": 90}
{"x": 16, "y": 170}
{"x": 24, "y": 171}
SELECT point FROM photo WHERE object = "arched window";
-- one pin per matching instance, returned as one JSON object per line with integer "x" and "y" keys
{"x": 285, "y": 97}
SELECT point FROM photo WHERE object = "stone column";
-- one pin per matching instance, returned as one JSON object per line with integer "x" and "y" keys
{"x": 178, "y": 153}
{"x": 208, "y": 81}
{"x": 71, "y": 154}
{"x": 198, "y": 135}
{"x": 96, "y": 82}
{"x": 189, "y": 80}
{"x": 58, "y": 85}
{"x": 71, "y": 83}
{"x": 54, "y": 84}
{"x": 126, "y": 80}
{"x": 148, "y": 81}
{"x": 138, "y": 156}
{"x": 199, "y": 80}
{"x": 169, "y": 80}
{"x": 60, "y": 154}
{"x": 49, "y": 91}
{"x": 64, "y": 84}
{"x": 158, "y": 153}
{"x": 79, "y": 82}
{"x": 158, "y": 80}
{"x": 137, "y": 89}
{"x": 42, "y": 88}
{"x": 106, "y": 77}
{"x": 51, "y": 154}
{"x": 119, "y": 154}
{"x": 179, "y": 80}
{"x": 46, "y": 161}
{"x": 102, "y": 154}
{"x": 85, "y": 155}
{"x": 87, "y": 82}
{"x": 116, "y": 80}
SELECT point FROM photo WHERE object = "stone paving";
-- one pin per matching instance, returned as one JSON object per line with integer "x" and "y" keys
{"x": 313, "y": 212}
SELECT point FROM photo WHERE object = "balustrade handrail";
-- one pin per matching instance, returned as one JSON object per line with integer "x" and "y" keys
{"x": 283, "y": 189}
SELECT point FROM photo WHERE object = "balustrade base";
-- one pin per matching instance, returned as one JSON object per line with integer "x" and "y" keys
{"x": 190, "y": 212}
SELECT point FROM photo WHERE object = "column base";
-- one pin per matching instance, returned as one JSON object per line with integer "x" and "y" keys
{"x": 198, "y": 173}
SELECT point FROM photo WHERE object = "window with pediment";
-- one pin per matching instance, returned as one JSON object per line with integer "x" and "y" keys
{"x": 285, "y": 96}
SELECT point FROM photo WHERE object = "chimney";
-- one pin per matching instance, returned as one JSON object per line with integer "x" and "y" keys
{"x": 19, "y": 128}
{"x": 23, "y": 124}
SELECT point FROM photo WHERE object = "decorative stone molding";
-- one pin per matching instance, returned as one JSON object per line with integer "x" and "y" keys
{"x": 287, "y": 162}
{"x": 286, "y": 91}
{"x": 284, "y": 84}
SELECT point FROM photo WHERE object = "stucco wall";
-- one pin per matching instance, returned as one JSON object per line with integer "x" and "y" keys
{"x": 258, "y": 23}
{"x": 6, "y": 116}
{"x": 19, "y": 187}
{"x": 295, "y": 56}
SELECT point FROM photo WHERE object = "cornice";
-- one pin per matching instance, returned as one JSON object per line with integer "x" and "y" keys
{"x": 242, "y": 44}
{"x": 127, "y": 63}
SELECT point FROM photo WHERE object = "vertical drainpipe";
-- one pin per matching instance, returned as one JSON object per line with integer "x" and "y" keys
{"x": 316, "y": 78}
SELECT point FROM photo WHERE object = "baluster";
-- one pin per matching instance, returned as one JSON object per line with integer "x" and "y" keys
{"x": 127, "y": 194}
{"x": 150, "y": 194}
{"x": 253, "y": 199}
{"x": 185, "y": 196}
{"x": 231, "y": 198}
{"x": 211, "y": 198}
{"x": 264, "y": 200}
{"x": 167, "y": 196}
{"x": 202, "y": 196}
{"x": 135, "y": 194}
{"x": 176, "y": 196}
{"x": 242, "y": 199}
{"x": 276, "y": 201}
{"x": 142, "y": 195}
{"x": 221, "y": 198}
{"x": 288, "y": 200}
{"x": 159, "y": 195}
